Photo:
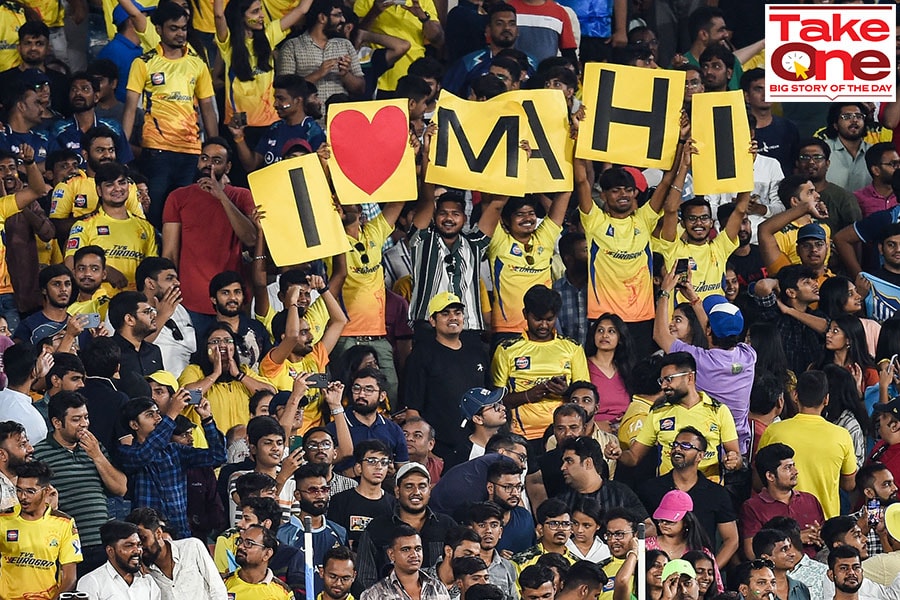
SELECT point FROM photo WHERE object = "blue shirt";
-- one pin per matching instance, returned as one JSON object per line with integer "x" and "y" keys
{"x": 324, "y": 539}
{"x": 67, "y": 134}
{"x": 11, "y": 141}
{"x": 518, "y": 533}
{"x": 382, "y": 429}
{"x": 121, "y": 51}
{"x": 594, "y": 16}
{"x": 272, "y": 142}
{"x": 156, "y": 467}
{"x": 869, "y": 229}
{"x": 463, "y": 72}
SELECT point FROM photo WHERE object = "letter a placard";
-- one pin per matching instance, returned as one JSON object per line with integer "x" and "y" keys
{"x": 547, "y": 116}
{"x": 719, "y": 127}
{"x": 476, "y": 146}
{"x": 361, "y": 173}
{"x": 301, "y": 223}
{"x": 632, "y": 115}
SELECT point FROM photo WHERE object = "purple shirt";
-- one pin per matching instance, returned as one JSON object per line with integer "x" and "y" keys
{"x": 727, "y": 376}
{"x": 871, "y": 201}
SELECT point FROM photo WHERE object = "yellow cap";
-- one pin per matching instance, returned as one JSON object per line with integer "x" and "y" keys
{"x": 442, "y": 301}
{"x": 164, "y": 378}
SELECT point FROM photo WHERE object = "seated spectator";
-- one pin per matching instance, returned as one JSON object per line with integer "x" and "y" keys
{"x": 554, "y": 529}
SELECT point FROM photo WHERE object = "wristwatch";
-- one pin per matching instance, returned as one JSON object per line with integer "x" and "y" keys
{"x": 426, "y": 18}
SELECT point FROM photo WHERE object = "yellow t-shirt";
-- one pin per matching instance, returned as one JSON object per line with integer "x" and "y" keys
{"x": 363, "y": 292}
{"x": 706, "y": 261}
{"x": 822, "y": 450}
{"x": 710, "y": 417}
{"x": 52, "y": 12}
{"x": 282, "y": 377}
{"x": 30, "y": 551}
{"x": 270, "y": 588}
{"x": 48, "y": 252}
{"x": 521, "y": 364}
{"x": 257, "y": 96}
{"x": 12, "y": 16}
{"x": 316, "y": 317}
{"x": 275, "y": 9}
{"x": 126, "y": 242}
{"x": 203, "y": 19}
{"x": 8, "y": 208}
{"x": 512, "y": 275}
{"x": 633, "y": 420}
{"x": 787, "y": 241}
{"x": 226, "y": 546}
{"x": 611, "y": 569}
{"x": 229, "y": 402}
{"x": 619, "y": 263}
{"x": 77, "y": 197}
{"x": 99, "y": 303}
{"x": 170, "y": 89}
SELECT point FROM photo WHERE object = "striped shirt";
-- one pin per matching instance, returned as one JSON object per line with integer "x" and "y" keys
{"x": 81, "y": 492}
{"x": 437, "y": 268}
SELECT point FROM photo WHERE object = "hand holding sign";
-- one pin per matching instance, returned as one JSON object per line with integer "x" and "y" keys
{"x": 721, "y": 131}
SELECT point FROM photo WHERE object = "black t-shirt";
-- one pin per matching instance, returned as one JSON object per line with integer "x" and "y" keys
{"x": 352, "y": 511}
{"x": 610, "y": 494}
{"x": 549, "y": 465}
{"x": 779, "y": 140}
{"x": 892, "y": 278}
{"x": 712, "y": 503}
{"x": 748, "y": 268}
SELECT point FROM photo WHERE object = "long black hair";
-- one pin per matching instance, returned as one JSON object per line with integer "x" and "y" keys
{"x": 201, "y": 356}
{"x": 240, "y": 56}
{"x": 623, "y": 357}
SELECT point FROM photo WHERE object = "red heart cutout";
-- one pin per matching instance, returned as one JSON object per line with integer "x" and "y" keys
{"x": 367, "y": 167}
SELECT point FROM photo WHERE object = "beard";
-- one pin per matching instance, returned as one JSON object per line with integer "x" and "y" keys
{"x": 312, "y": 110}
{"x": 313, "y": 509}
{"x": 676, "y": 396}
{"x": 848, "y": 588}
{"x": 365, "y": 409}
{"x": 227, "y": 312}
{"x": 503, "y": 504}
{"x": 149, "y": 556}
{"x": 127, "y": 566}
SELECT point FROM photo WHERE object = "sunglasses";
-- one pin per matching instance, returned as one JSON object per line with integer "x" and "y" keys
{"x": 363, "y": 255}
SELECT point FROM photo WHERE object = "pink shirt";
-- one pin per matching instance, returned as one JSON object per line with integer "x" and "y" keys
{"x": 871, "y": 201}
{"x": 614, "y": 398}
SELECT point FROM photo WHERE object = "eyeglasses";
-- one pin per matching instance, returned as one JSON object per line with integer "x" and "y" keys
{"x": 811, "y": 157}
{"x": 326, "y": 445}
{"x": 248, "y": 543}
{"x": 510, "y": 488}
{"x": 40, "y": 86}
{"x": 365, "y": 389}
{"x": 697, "y": 218}
{"x": 377, "y": 462}
{"x": 693, "y": 84}
{"x": 363, "y": 255}
{"x": 762, "y": 563}
{"x": 893, "y": 163}
{"x": 29, "y": 492}
{"x": 148, "y": 311}
{"x": 671, "y": 378}
{"x": 851, "y": 116}
{"x": 617, "y": 535}
{"x": 558, "y": 524}
{"x": 497, "y": 406}
{"x": 220, "y": 342}
{"x": 522, "y": 457}
{"x": 684, "y": 446}
{"x": 317, "y": 491}
{"x": 346, "y": 579}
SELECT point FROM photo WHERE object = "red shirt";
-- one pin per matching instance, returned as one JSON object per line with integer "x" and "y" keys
{"x": 759, "y": 508}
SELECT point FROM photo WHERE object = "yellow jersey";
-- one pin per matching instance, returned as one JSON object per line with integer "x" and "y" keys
{"x": 52, "y": 12}
{"x": 257, "y": 96}
{"x": 363, "y": 292}
{"x": 170, "y": 89}
{"x": 316, "y": 317}
{"x": 126, "y": 242}
{"x": 620, "y": 263}
{"x": 270, "y": 588}
{"x": 202, "y": 15}
{"x": 99, "y": 303}
{"x": 275, "y": 9}
{"x": 12, "y": 16}
{"x": 48, "y": 252}
{"x": 30, "y": 551}
{"x": 282, "y": 377}
{"x": 515, "y": 268}
{"x": 76, "y": 196}
{"x": 611, "y": 569}
{"x": 229, "y": 402}
{"x": 520, "y": 364}
{"x": 8, "y": 208}
{"x": 110, "y": 5}
{"x": 706, "y": 261}
{"x": 712, "y": 418}
{"x": 787, "y": 241}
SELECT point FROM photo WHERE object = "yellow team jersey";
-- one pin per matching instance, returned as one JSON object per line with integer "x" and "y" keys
{"x": 31, "y": 551}
{"x": 363, "y": 292}
{"x": 48, "y": 252}
{"x": 619, "y": 263}
{"x": 633, "y": 420}
{"x": 787, "y": 241}
{"x": 126, "y": 242}
{"x": 8, "y": 208}
{"x": 51, "y": 12}
{"x": 275, "y": 9}
{"x": 12, "y": 16}
{"x": 170, "y": 88}
{"x": 521, "y": 364}
{"x": 229, "y": 401}
{"x": 709, "y": 416}
{"x": 99, "y": 303}
{"x": 202, "y": 15}
{"x": 270, "y": 588}
{"x": 110, "y": 5}
{"x": 706, "y": 261}
{"x": 316, "y": 317}
{"x": 282, "y": 377}
{"x": 515, "y": 268}
{"x": 610, "y": 568}
{"x": 76, "y": 196}
{"x": 257, "y": 96}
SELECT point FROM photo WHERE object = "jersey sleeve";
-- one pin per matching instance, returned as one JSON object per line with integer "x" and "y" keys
{"x": 870, "y": 228}
{"x": 8, "y": 206}
{"x": 647, "y": 216}
{"x": 579, "y": 365}
{"x": 848, "y": 465}
{"x": 70, "y": 545}
{"x": 204, "y": 87}
{"x": 132, "y": 204}
{"x": 648, "y": 435}
{"x": 500, "y": 368}
{"x": 727, "y": 428}
{"x": 567, "y": 36}
{"x": 275, "y": 33}
{"x": 137, "y": 76}
{"x": 61, "y": 203}
{"x": 150, "y": 247}
{"x": 78, "y": 238}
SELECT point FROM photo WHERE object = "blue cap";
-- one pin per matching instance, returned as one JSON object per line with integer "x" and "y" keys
{"x": 725, "y": 319}
{"x": 477, "y": 398}
{"x": 119, "y": 15}
{"x": 811, "y": 231}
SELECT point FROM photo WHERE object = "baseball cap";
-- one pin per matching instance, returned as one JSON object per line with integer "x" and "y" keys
{"x": 182, "y": 425}
{"x": 475, "y": 399}
{"x": 891, "y": 408}
{"x": 892, "y": 520}
{"x": 412, "y": 466}
{"x": 811, "y": 231}
{"x": 119, "y": 15}
{"x": 640, "y": 182}
{"x": 293, "y": 143}
{"x": 441, "y": 301}
{"x": 34, "y": 77}
{"x": 279, "y": 399}
{"x": 673, "y": 506}
{"x": 680, "y": 566}
{"x": 164, "y": 378}
{"x": 725, "y": 318}
{"x": 42, "y": 332}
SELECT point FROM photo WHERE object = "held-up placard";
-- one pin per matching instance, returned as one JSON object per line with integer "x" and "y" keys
{"x": 547, "y": 116}
{"x": 361, "y": 172}
{"x": 632, "y": 115}
{"x": 301, "y": 223}
{"x": 719, "y": 126}
{"x": 476, "y": 146}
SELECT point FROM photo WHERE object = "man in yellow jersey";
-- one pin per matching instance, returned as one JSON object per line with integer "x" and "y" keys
{"x": 338, "y": 572}
{"x": 537, "y": 367}
{"x": 295, "y": 352}
{"x": 126, "y": 238}
{"x": 12, "y": 16}
{"x": 254, "y": 580}
{"x": 316, "y": 314}
{"x": 363, "y": 292}
{"x": 171, "y": 80}
{"x": 39, "y": 546}
{"x": 618, "y": 238}
{"x": 90, "y": 273}
{"x": 76, "y": 196}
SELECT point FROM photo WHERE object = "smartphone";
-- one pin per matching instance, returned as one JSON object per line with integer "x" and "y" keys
{"x": 196, "y": 397}
{"x": 296, "y": 442}
{"x": 681, "y": 266}
{"x": 93, "y": 320}
{"x": 239, "y": 119}
{"x": 317, "y": 380}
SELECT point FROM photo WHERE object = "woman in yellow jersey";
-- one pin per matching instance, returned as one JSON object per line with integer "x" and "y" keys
{"x": 216, "y": 372}
{"x": 247, "y": 44}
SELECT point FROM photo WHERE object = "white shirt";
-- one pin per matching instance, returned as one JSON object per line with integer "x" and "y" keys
{"x": 176, "y": 355}
{"x": 598, "y": 552}
{"x": 869, "y": 590}
{"x": 195, "y": 576}
{"x": 16, "y": 406}
{"x": 105, "y": 583}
